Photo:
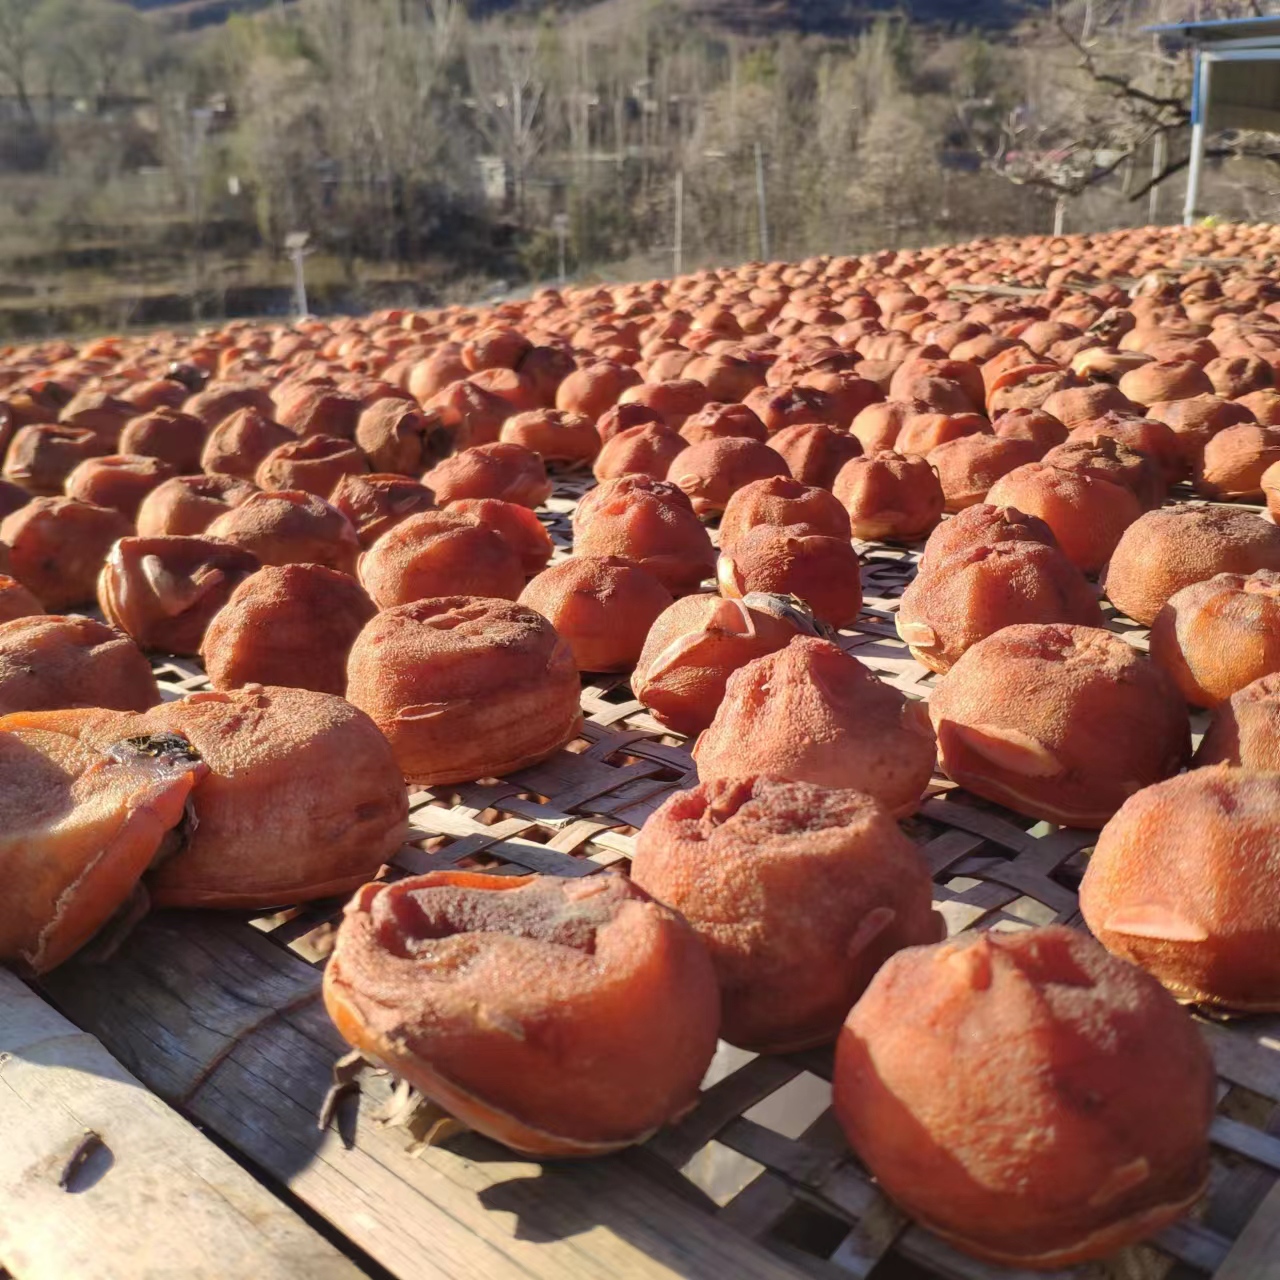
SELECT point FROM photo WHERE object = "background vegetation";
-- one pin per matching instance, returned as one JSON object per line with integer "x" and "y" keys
{"x": 153, "y": 156}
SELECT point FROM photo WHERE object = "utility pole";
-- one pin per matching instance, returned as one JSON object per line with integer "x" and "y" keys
{"x": 762, "y": 205}
{"x": 1159, "y": 149}
{"x": 560, "y": 225}
{"x": 296, "y": 245}
{"x": 678, "y": 243}
{"x": 1059, "y": 215}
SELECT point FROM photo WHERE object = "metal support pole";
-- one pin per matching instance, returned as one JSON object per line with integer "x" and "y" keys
{"x": 1159, "y": 152}
{"x": 762, "y": 204}
{"x": 678, "y": 244}
{"x": 1199, "y": 109}
{"x": 299, "y": 282}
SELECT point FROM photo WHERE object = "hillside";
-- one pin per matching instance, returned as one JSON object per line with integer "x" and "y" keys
{"x": 826, "y": 17}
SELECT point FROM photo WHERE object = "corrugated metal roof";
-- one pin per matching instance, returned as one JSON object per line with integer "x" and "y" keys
{"x": 1210, "y": 32}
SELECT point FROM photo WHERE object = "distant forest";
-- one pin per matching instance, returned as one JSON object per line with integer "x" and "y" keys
{"x": 154, "y": 156}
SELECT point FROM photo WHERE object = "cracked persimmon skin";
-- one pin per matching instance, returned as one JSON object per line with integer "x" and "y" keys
{"x": 889, "y": 496}
{"x": 302, "y": 800}
{"x": 517, "y": 526}
{"x": 811, "y": 713}
{"x": 80, "y": 825}
{"x": 781, "y": 501}
{"x": 437, "y": 553}
{"x": 290, "y": 625}
{"x": 968, "y": 466}
{"x": 164, "y": 592}
{"x": 1235, "y": 460}
{"x": 185, "y": 506}
{"x": 648, "y": 449}
{"x": 602, "y": 606}
{"x": 1217, "y": 636}
{"x": 1088, "y": 515}
{"x": 800, "y": 893}
{"x": 710, "y": 473}
{"x": 979, "y": 590}
{"x": 692, "y": 649}
{"x": 815, "y": 452}
{"x": 1174, "y": 547}
{"x": 239, "y": 444}
{"x": 119, "y": 481}
{"x": 49, "y": 662}
{"x": 312, "y": 465}
{"x": 290, "y": 527}
{"x": 980, "y": 525}
{"x": 57, "y": 547}
{"x": 1058, "y": 722}
{"x": 1142, "y": 435}
{"x": 1181, "y": 883}
{"x": 1095, "y": 1089}
{"x": 16, "y": 601}
{"x": 399, "y": 438}
{"x": 560, "y": 1017}
{"x": 825, "y": 573}
{"x": 646, "y": 525}
{"x": 465, "y": 688}
{"x": 374, "y": 503}
{"x": 498, "y": 470}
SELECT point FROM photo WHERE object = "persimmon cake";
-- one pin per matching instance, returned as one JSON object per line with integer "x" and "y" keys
{"x": 437, "y": 553}
{"x": 80, "y": 824}
{"x": 290, "y": 625}
{"x": 800, "y": 894}
{"x": 1059, "y": 722}
{"x": 1043, "y": 1104}
{"x": 1184, "y": 882}
{"x": 560, "y": 1017}
{"x": 811, "y": 713}
{"x": 465, "y": 687}
{"x": 696, "y": 644}
{"x": 302, "y": 798}
{"x": 957, "y": 601}
{"x": 164, "y": 592}
{"x": 48, "y": 662}
{"x": 603, "y": 607}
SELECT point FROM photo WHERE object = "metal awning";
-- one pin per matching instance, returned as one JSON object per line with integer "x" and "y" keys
{"x": 1236, "y": 83}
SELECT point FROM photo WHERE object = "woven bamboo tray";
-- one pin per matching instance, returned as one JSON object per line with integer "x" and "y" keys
{"x": 219, "y": 1014}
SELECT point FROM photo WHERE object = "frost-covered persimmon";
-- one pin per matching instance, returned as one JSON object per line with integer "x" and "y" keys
{"x": 290, "y": 527}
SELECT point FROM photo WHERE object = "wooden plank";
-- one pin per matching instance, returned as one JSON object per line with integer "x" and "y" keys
{"x": 1256, "y": 1253}
{"x": 100, "y": 1180}
{"x": 194, "y": 985}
